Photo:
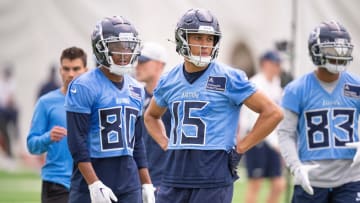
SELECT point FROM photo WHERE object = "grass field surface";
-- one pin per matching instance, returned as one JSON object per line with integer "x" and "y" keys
{"x": 25, "y": 187}
{"x": 19, "y": 187}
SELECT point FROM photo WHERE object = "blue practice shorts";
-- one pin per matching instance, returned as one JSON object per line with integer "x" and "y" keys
{"x": 84, "y": 197}
{"x": 347, "y": 193}
{"x": 195, "y": 195}
{"x": 262, "y": 161}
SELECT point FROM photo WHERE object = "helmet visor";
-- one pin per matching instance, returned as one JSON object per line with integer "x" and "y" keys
{"x": 336, "y": 51}
{"x": 122, "y": 47}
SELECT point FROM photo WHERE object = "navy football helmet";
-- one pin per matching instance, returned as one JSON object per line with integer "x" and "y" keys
{"x": 198, "y": 21}
{"x": 116, "y": 37}
{"x": 330, "y": 46}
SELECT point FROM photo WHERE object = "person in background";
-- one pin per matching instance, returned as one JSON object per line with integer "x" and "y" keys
{"x": 8, "y": 110}
{"x": 151, "y": 64}
{"x": 51, "y": 82}
{"x": 264, "y": 160}
{"x": 48, "y": 131}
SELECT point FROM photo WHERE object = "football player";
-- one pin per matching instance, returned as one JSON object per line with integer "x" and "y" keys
{"x": 320, "y": 128}
{"x": 204, "y": 98}
{"x": 103, "y": 109}
{"x": 48, "y": 132}
{"x": 151, "y": 64}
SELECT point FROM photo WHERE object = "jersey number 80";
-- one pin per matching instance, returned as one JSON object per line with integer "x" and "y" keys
{"x": 111, "y": 128}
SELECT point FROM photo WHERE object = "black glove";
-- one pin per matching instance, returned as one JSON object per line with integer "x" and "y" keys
{"x": 234, "y": 160}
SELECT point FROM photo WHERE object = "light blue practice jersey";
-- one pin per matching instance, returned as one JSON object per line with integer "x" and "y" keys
{"x": 326, "y": 120}
{"x": 113, "y": 112}
{"x": 50, "y": 112}
{"x": 205, "y": 113}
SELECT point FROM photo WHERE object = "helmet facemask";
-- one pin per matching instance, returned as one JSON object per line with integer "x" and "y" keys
{"x": 124, "y": 49}
{"x": 330, "y": 46}
{"x": 185, "y": 49}
{"x": 334, "y": 56}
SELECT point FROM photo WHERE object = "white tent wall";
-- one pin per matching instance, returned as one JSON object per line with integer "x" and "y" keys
{"x": 33, "y": 33}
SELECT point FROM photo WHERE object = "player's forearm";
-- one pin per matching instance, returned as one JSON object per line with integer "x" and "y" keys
{"x": 144, "y": 176}
{"x": 78, "y": 126}
{"x": 156, "y": 129}
{"x": 88, "y": 172}
{"x": 139, "y": 153}
{"x": 288, "y": 150}
{"x": 287, "y": 139}
{"x": 264, "y": 125}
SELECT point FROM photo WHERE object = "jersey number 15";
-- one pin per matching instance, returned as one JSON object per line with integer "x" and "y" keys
{"x": 192, "y": 129}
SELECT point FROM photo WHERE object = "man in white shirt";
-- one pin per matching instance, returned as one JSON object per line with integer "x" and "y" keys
{"x": 264, "y": 160}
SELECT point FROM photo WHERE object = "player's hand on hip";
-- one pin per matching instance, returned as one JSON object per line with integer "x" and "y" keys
{"x": 234, "y": 160}
{"x": 355, "y": 145}
{"x": 148, "y": 195}
{"x": 302, "y": 176}
{"x": 100, "y": 193}
{"x": 57, "y": 133}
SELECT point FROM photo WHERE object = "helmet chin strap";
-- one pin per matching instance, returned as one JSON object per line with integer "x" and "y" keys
{"x": 121, "y": 70}
{"x": 333, "y": 68}
{"x": 199, "y": 61}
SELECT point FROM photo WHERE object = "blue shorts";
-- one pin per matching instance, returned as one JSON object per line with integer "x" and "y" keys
{"x": 262, "y": 161}
{"x": 195, "y": 195}
{"x": 347, "y": 193}
{"x": 84, "y": 197}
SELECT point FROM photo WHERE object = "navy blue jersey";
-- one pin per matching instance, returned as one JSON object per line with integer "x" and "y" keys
{"x": 155, "y": 155}
{"x": 205, "y": 114}
{"x": 197, "y": 169}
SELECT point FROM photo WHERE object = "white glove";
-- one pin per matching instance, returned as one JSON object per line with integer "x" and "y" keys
{"x": 302, "y": 176}
{"x": 148, "y": 195}
{"x": 100, "y": 193}
{"x": 355, "y": 145}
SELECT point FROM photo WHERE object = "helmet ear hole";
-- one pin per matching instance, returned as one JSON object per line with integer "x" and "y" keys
{"x": 314, "y": 50}
{"x": 185, "y": 51}
{"x": 98, "y": 46}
